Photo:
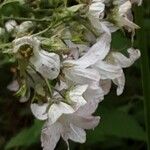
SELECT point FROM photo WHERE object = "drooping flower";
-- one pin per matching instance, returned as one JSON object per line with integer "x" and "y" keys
{"x": 47, "y": 64}
{"x": 58, "y": 105}
{"x": 70, "y": 126}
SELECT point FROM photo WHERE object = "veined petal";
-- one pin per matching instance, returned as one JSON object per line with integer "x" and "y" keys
{"x": 76, "y": 96}
{"x": 89, "y": 122}
{"x": 97, "y": 52}
{"x": 81, "y": 76}
{"x": 108, "y": 71}
{"x": 39, "y": 111}
{"x": 56, "y": 110}
{"x": 50, "y": 135}
{"x": 48, "y": 64}
{"x": 125, "y": 62}
{"x": 74, "y": 133}
{"x": 88, "y": 109}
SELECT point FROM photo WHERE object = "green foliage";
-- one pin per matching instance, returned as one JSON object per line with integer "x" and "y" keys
{"x": 26, "y": 137}
{"x": 116, "y": 123}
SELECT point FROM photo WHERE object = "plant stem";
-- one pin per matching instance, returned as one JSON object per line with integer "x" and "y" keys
{"x": 25, "y": 19}
{"x": 142, "y": 37}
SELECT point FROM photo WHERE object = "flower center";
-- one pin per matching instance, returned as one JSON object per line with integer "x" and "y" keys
{"x": 26, "y": 51}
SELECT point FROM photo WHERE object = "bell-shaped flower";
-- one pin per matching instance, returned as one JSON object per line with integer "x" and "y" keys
{"x": 47, "y": 64}
{"x": 119, "y": 61}
{"x": 58, "y": 106}
{"x": 70, "y": 126}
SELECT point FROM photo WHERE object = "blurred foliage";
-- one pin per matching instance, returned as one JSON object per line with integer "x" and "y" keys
{"x": 122, "y": 118}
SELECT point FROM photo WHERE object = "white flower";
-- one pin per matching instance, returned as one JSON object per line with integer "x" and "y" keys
{"x": 47, "y": 64}
{"x": 80, "y": 71}
{"x": 123, "y": 19}
{"x": 24, "y": 27}
{"x": 59, "y": 106}
{"x": 70, "y": 126}
{"x": 96, "y": 9}
{"x": 10, "y": 25}
{"x": 119, "y": 60}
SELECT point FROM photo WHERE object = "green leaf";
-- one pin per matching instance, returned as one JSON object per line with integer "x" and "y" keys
{"x": 26, "y": 137}
{"x": 118, "y": 124}
{"x": 11, "y": 7}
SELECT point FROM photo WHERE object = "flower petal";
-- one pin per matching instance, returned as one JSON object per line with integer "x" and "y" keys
{"x": 120, "y": 82}
{"x": 48, "y": 64}
{"x": 39, "y": 111}
{"x": 108, "y": 71}
{"x": 88, "y": 109}
{"x": 56, "y": 110}
{"x": 85, "y": 122}
{"x": 74, "y": 133}
{"x": 97, "y": 52}
{"x": 125, "y": 62}
{"x": 75, "y": 95}
{"x": 50, "y": 135}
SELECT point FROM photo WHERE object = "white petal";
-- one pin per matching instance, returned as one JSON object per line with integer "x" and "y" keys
{"x": 96, "y": 9}
{"x": 94, "y": 92}
{"x": 75, "y": 95}
{"x": 108, "y": 71}
{"x": 56, "y": 110}
{"x": 75, "y": 134}
{"x": 125, "y": 62}
{"x": 32, "y": 41}
{"x": 39, "y": 111}
{"x": 88, "y": 108}
{"x": 97, "y": 52}
{"x": 120, "y": 82}
{"x": 85, "y": 122}
{"x": 106, "y": 85}
{"x": 48, "y": 64}
{"x": 50, "y": 136}
{"x": 13, "y": 86}
{"x": 82, "y": 76}
{"x": 10, "y": 25}
{"x": 125, "y": 7}
{"x": 24, "y": 27}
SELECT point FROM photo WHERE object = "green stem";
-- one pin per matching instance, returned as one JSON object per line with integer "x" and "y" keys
{"x": 142, "y": 37}
{"x": 48, "y": 85}
{"x": 25, "y": 19}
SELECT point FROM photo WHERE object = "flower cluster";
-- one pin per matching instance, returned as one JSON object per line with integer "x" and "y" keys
{"x": 72, "y": 70}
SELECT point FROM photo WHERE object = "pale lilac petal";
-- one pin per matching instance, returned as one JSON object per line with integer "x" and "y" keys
{"x": 13, "y": 86}
{"x": 97, "y": 52}
{"x": 39, "y": 111}
{"x": 108, "y": 71}
{"x": 81, "y": 76}
{"x": 50, "y": 135}
{"x": 76, "y": 96}
{"x": 88, "y": 108}
{"x": 74, "y": 133}
{"x": 106, "y": 85}
{"x": 85, "y": 122}
{"x": 125, "y": 62}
